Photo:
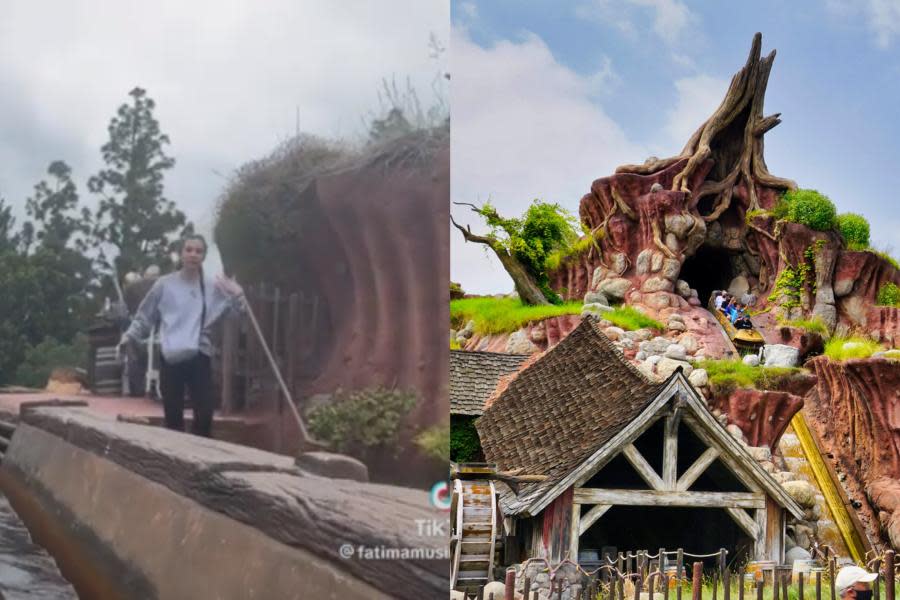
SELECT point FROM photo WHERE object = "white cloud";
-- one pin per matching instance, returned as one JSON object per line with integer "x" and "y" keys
{"x": 671, "y": 18}
{"x": 882, "y": 16}
{"x": 524, "y": 127}
{"x": 469, "y": 9}
{"x": 698, "y": 97}
{"x": 228, "y": 76}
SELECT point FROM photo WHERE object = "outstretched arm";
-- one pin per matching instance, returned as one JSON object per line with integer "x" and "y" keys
{"x": 147, "y": 316}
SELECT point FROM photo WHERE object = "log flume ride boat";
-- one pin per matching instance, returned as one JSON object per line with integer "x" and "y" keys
{"x": 747, "y": 341}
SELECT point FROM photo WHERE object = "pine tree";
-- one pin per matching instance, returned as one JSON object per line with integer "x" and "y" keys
{"x": 134, "y": 216}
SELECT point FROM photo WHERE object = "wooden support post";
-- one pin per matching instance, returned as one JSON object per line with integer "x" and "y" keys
{"x": 574, "y": 531}
{"x": 759, "y": 589}
{"x": 759, "y": 543}
{"x": 741, "y": 582}
{"x": 697, "y": 581}
{"x": 831, "y": 569}
{"x": 818, "y": 585}
{"x": 876, "y": 587}
{"x": 726, "y": 584}
{"x": 800, "y": 577}
{"x": 670, "y": 450}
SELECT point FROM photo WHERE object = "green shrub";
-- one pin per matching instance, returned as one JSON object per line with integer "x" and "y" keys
{"x": 810, "y": 208}
{"x": 852, "y": 347}
{"x": 456, "y": 291}
{"x": 630, "y": 318}
{"x": 435, "y": 442}
{"x": 732, "y": 374}
{"x": 41, "y": 359}
{"x": 361, "y": 419}
{"x": 855, "y": 230}
{"x": 504, "y": 315}
{"x": 889, "y": 295}
{"x": 465, "y": 446}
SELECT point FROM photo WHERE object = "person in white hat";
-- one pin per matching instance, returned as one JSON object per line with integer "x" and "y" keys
{"x": 852, "y": 583}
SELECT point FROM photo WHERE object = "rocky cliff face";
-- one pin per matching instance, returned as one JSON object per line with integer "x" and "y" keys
{"x": 856, "y": 412}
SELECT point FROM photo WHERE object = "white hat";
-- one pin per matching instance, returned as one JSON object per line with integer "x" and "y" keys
{"x": 848, "y": 576}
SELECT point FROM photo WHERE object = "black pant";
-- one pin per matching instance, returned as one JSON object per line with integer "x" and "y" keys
{"x": 196, "y": 376}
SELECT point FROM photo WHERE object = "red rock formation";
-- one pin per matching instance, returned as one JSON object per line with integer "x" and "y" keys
{"x": 670, "y": 231}
{"x": 762, "y": 415}
{"x": 856, "y": 414}
{"x": 542, "y": 334}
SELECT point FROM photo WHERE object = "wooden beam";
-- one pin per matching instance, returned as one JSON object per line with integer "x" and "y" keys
{"x": 574, "y": 531}
{"x": 603, "y": 454}
{"x": 695, "y": 470}
{"x": 670, "y": 498}
{"x": 740, "y": 469}
{"x": 759, "y": 545}
{"x": 743, "y": 519}
{"x": 670, "y": 450}
{"x": 643, "y": 468}
{"x": 591, "y": 516}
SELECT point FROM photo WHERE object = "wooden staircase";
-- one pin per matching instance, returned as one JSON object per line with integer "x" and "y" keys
{"x": 473, "y": 541}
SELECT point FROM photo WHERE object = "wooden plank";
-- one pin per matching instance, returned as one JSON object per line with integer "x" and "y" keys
{"x": 642, "y": 467}
{"x": 737, "y": 467}
{"x": 670, "y": 498}
{"x": 591, "y": 516}
{"x": 670, "y": 450}
{"x": 695, "y": 470}
{"x": 743, "y": 519}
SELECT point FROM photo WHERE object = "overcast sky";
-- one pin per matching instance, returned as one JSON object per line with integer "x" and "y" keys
{"x": 548, "y": 96}
{"x": 229, "y": 79}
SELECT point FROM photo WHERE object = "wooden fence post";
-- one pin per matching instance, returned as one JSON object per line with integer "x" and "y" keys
{"x": 697, "y": 581}
{"x": 889, "y": 581}
{"x": 818, "y": 585}
{"x": 759, "y": 589}
{"x": 510, "y": 584}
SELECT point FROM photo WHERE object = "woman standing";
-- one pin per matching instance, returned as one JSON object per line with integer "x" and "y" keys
{"x": 185, "y": 306}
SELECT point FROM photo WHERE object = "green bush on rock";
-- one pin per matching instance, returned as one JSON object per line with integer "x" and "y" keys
{"x": 888, "y": 295}
{"x": 855, "y": 230}
{"x": 810, "y": 208}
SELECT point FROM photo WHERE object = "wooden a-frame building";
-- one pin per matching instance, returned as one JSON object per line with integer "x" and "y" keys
{"x": 629, "y": 463}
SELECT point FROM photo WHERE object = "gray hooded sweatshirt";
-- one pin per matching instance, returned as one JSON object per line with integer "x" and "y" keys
{"x": 174, "y": 303}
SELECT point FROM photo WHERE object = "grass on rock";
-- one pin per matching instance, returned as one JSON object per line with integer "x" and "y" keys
{"x": 814, "y": 325}
{"x": 630, "y": 318}
{"x": 852, "y": 347}
{"x": 733, "y": 374}
{"x": 504, "y": 315}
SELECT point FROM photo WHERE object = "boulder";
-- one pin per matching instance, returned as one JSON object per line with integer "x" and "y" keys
{"x": 676, "y": 317}
{"x": 597, "y": 277}
{"x": 626, "y": 343}
{"x": 657, "y": 300}
{"x": 856, "y": 308}
{"x": 672, "y": 242}
{"x": 538, "y": 333}
{"x": 698, "y": 378}
{"x": 678, "y": 224}
{"x": 652, "y": 361}
{"x": 690, "y": 343}
{"x": 640, "y": 335}
{"x": 667, "y": 366}
{"x": 518, "y": 343}
{"x": 751, "y": 360}
{"x": 780, "y": 355}
{"x": 641, "y": 356}
{"x": 673, "y": 325}
{"x": 642, "y": 264}
{"x": 615, "y": 288}
{"x": 657, "y": 284}
{"x": 735, "y": 432}
{"x": 656, "y": 261}
{"x": 683, "y": 288}
{"x": 802, "y": 492}
{"x": 676, "y": 352}
{"x": 614, "y": 333}
{"x": 595, "y": 298}
{"x": 657, "y": 345}
{"x": 671, "y": 268}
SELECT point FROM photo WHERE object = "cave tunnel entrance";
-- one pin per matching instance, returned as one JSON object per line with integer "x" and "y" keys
{"x": 707, "y": 270}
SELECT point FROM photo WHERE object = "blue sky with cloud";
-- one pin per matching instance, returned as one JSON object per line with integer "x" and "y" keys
{"x": 548, "y": 96}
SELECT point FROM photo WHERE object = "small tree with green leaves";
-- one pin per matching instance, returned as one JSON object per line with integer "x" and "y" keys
{"x": 134, "y": 216}
{"x": 524, "y": 245}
